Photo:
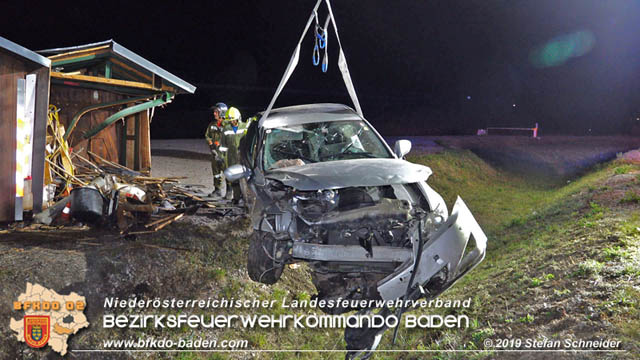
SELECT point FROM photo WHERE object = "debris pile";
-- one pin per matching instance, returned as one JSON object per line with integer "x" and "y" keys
{"x": 95, "y": 191}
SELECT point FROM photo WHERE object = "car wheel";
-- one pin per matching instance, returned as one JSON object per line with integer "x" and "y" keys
{"x": 262, "y": 262}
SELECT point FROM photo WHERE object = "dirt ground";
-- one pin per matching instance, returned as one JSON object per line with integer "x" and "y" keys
{"x": 173, "y": 263}
{"x": 98, "y": 263}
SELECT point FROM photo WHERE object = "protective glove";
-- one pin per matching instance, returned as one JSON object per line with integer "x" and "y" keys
{"x": 213, "y": 146}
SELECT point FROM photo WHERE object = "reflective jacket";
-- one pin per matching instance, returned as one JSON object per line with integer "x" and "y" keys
{"x": 231, "y": 141}
{"x": 214, "y": 135}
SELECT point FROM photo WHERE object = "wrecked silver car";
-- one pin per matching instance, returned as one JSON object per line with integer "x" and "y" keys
{"x": 329, "y": 191}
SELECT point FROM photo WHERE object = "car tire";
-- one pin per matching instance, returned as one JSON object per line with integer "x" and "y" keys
{"x": 261, "y": 264}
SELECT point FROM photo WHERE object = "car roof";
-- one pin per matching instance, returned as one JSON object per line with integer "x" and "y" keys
{"x": 309, "y": 113}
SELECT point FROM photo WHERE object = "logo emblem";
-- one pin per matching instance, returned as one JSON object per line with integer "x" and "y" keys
{"x": 36, "y": 330}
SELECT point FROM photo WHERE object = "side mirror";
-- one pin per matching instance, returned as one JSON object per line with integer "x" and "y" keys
{"x": 402, "y": 148}
{"x": 236, "y": 172}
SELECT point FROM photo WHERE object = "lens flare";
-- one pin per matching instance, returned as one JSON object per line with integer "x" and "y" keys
{"x": 559, "y": 50}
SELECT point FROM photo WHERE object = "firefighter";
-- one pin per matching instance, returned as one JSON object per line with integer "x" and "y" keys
{"x": 234, "y": 130}
{"x": 214, "y": 135}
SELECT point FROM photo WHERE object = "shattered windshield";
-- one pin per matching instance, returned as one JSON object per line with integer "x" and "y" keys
{"x": 319, "y": 142}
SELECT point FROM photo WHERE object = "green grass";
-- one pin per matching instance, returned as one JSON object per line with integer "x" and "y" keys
{"x": 623, "y": 169}
{"x": 562, "y": 292}
{"x": 588, "y": 268}
{"x": 495, "y": 197}
{"x": 614, "y": 253}
{"x": 543, "y": 237}
{"x": 536, "y": 282}
{"x": 630, "y": 197}
{"x": 527, "y": 319}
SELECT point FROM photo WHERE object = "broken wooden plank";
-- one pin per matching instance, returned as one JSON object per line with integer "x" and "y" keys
{"x": 194, "y": 197}
{"x": 140, "y": 232}
{"x": 159, "y": 221}
{"x": 169, "y": 222}
{"x": 109, "y": 162}
{"x": 94, "y": 166}
{"x": 65, "y": 172}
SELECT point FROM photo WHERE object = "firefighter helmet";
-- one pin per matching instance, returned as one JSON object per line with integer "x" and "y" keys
{"x": 233, "y": 114}
{"x": 221, "y": 107}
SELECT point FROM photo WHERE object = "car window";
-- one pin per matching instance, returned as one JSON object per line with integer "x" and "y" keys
{"x": 320, "y": 142}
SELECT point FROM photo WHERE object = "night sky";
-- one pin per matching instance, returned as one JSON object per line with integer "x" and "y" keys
{"x": 420, "y": 67}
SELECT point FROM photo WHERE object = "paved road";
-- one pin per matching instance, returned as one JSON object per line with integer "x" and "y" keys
{"x": 183, "y": 157}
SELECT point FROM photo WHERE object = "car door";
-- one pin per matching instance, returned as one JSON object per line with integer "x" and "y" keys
{"x": 248, "y": 150}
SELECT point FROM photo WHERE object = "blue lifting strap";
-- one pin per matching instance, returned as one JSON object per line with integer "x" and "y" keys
{"x": 316, "y": 55}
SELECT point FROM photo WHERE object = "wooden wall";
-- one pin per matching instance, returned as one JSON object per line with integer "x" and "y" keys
{"x": 108, "y": 143}
{"x": 71, "y": 100}
{"x": 138, "y": 148}
{"x": 145, "y": 142}
{"x": 13, "y": 68}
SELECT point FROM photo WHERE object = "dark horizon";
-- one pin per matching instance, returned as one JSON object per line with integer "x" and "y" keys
{"x": 419, "y": 68}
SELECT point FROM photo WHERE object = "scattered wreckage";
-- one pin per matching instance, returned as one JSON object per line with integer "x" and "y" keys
{"x": 95, "y": 191}
{"x": 327, "y": 189}
{"x": 106, "y": 194}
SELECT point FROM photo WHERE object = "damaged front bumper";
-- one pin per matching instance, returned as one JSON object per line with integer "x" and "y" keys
{"x": 448, "y": 253}
{"x": 455, "y": 248}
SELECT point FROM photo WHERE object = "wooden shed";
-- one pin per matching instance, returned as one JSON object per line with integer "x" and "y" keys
{"x": 24, "y": 93}
{"x": 106, "y": 96}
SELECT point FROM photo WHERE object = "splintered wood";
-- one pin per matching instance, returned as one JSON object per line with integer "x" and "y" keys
{"x": 133, "y": 201}
{"x": 135, "y": 214}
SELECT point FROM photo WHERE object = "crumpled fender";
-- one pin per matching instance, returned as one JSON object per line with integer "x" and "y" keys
{"x": 444, "y": 248}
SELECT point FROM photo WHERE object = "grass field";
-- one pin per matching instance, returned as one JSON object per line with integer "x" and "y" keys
{"x": 562, "y": 262}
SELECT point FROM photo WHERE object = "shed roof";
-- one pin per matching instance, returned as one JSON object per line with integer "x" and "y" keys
{"x": 24, "y": 52}
{"x": 73, "y": 55}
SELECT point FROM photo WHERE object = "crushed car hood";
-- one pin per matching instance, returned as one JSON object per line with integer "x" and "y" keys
{"x": 349, "y": 173}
